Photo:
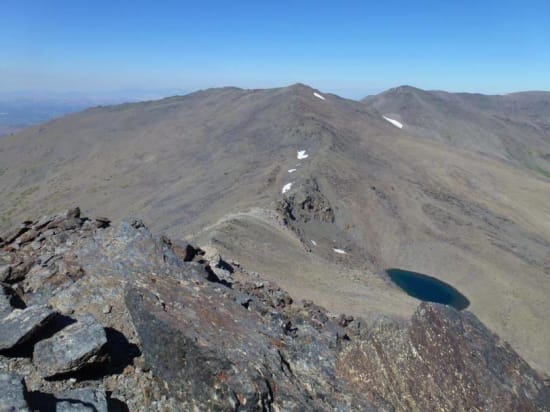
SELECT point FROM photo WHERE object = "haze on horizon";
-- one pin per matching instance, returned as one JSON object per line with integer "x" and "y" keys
{"x": 355, "y": 49}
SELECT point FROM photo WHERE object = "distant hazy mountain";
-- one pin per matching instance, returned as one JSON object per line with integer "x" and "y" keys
{"x": 360, "y": 194}
{"x": 515, "y": 127}
{"x": 21, "y": 109}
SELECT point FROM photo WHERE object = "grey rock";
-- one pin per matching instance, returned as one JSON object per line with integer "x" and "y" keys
{"x": 12, "y": 393}
{"x": 5, "y": 302}
{"x": 21, "y": 324}
{"x": 82, "y": 400}
{"x": 5, "y": 272}
{"x": 70, "y": 349}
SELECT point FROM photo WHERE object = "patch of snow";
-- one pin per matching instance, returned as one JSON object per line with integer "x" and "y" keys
{"x": 313, "y": 242}
{"x": 302, "y": 154}
{"x": 291, "y": 170}
{"x": 286, "y": 187}
{"x": 340, "y": 251}
{"x": 394, "y": 122}
{"x": 318, "y": 96}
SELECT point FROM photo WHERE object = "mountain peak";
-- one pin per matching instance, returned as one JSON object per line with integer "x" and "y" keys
{"x": 406, "y": 89}
{"x": 299, "y": 86}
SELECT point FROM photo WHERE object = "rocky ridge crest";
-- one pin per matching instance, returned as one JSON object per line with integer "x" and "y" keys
{"x": 99, "y": 317}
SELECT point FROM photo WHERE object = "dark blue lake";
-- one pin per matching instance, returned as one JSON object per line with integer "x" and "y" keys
{"x": 428, "y": 288}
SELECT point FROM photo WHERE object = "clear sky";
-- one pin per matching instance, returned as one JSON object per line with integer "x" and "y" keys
{"x": 348, "y": 47}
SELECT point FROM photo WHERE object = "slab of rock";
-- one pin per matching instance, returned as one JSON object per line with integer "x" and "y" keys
{"x": 82, "y": 400}
{"x": 22, "y": 324}
{"x": 26, "y": 237}
{"x": 441, "y": 360}
{"x": 12, "y": 393}
{"x": 72, "y": 348}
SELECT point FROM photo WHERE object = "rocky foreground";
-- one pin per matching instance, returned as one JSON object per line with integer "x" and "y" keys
{"x": 97, "y": 317}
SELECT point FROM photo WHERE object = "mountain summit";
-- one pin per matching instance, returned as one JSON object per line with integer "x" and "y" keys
{"x": 513, "y": 127}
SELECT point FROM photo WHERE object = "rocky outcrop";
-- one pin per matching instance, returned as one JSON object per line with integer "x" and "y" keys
{"x": 306, "y": 204}
{"x": 442, "y": 357}
{"x": 172, "y": 335}
{"x": 218, "y": 352}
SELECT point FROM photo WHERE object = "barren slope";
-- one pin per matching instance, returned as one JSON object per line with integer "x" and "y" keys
{"x": 514, "y": 127}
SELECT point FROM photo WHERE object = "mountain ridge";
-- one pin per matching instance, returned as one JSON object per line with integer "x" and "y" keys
{"x": 382, "y": 195}
{"x": 514, "y": 127}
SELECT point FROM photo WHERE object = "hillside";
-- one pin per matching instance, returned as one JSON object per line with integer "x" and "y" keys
{"x": 365, "y": 196}
{"x": 514, "y": 127}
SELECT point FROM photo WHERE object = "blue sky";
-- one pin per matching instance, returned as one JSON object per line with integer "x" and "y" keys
{"x": 348, "y": 47}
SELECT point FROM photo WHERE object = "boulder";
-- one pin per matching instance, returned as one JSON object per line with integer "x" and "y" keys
{"x": 69, "y": 350}
{"x": 81, "y": 400}
{"x": 22, "y": 324}
{"x": 219, "y": 267}
{"x": 12, "y": 393}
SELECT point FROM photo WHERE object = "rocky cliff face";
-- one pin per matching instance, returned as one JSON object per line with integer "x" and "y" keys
{"x": 99, "y": 317}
